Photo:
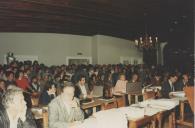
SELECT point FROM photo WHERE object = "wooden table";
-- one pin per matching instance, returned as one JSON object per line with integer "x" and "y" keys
{"x": 153, "y": 120}
{"x": 99, "y": 102}
{"x": 141, "y": 122}
{"x": 167, "y": 113}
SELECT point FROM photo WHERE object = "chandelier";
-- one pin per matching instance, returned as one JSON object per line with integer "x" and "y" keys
{"x": 147, "y": 42}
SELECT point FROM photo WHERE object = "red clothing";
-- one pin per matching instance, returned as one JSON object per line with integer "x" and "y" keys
{"x": 23, "y": 83}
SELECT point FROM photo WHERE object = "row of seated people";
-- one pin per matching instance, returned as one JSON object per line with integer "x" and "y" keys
{"x": 64, "y": 110}
{"x": 90, "y": 83}
{"x": 65, "y": 103}
{"x": 50, "y": 90}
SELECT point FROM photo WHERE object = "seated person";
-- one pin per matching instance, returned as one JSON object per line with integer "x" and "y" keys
{"x": 81, "y": 89}
{"x": 35, "y": 87}
{"x": 121, "y": 85}
{"x": 182, "y": 83}
{"x": 13, "y": 110}
{"x": 64, "y": 110}
{"x": 10, "y": 79}
{"x": 2, "y": 88}
{"x": 169, "y": 85}
{"x": 21, "y": 81}
{"x": 156, "y": 81}
{"x": 48, "y": 94}
{"x": 134, "y": 86}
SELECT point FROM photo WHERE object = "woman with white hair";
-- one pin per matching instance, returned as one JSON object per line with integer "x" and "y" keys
{"x": 13, "y": 110}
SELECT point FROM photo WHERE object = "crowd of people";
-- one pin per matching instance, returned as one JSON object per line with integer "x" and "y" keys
{"x": 69, "y": 83}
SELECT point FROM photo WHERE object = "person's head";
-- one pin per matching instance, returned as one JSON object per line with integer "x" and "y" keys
{"x": 46, "y": 77}
{"x": 157, "y": 77}
{"x": 34, "y": 79}
{"x": 10, "y": 75}
{"x": 122, "y": 77}
{"x": 19, "y": 74}
{"x": 50, "y": 87}
{"x": 2, "y": 84}
{"x": 135, "y": 77}
{"x": 68, "y": 91}
{"x": 93, "y": 77}
{"x": 82, "y": 80}
{"x": 173, "y": 78}
{"x": 13, "y": 100}
{"x": 185, "y": 78}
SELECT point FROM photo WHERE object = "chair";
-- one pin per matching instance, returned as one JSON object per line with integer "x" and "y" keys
{"x": 149, "y": 95}
{"x": 45, "y": 118}
{"x": 35, "y": 99}
{"x": 189, "y": 91}
{"x": 109, "y": 105}
{"x": 121, "y": 101}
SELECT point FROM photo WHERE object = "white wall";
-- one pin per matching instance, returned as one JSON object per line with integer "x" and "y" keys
{"x": 110, "y": 49}
{"x": 52, "y": 49}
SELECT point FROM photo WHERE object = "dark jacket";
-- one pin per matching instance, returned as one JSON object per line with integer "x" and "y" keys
{"x": 5, "y": 123}
{"x": 78, "y": 92}
{"x": 180, "y": 85}
{"x": 45, "y": 98}
{"x": 166, "y": 89}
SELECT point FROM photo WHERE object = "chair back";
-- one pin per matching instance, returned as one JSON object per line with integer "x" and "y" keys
{"x": 45, "y": 118}
{"x": 149, "y": 95}
{"x": 121, "y": 101}
{"x": 35, "y": 99}
{"x": 110, "y": 105}
{"x": 189, "y": 91}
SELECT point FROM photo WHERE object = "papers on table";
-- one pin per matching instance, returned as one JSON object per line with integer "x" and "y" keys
{"x": 118, "y": 117}
{"x": 151, "y": 88}
{"x": 178, "y": 94}
{"x": 164, "y": 104}
{"x": 112, "y": 118}
{"x": 132, "y": 112}
{"x": 89, "y": 123}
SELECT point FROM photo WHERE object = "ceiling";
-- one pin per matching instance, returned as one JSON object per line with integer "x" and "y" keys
{"x": 168, "y": 19}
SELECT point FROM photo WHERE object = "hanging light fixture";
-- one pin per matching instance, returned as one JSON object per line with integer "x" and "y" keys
{"x": 146, "y": 42}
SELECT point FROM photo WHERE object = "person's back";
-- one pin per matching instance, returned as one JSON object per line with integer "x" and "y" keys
{"x": 134, "y": 87}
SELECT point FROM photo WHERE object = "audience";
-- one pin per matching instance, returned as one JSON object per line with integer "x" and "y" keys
{"x": 52, "y": 85}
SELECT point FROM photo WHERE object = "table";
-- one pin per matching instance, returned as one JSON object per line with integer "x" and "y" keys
{"x": 147, "y": 120}
{"x": 141, "y": 122}
{"x": 99, "y": 102}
